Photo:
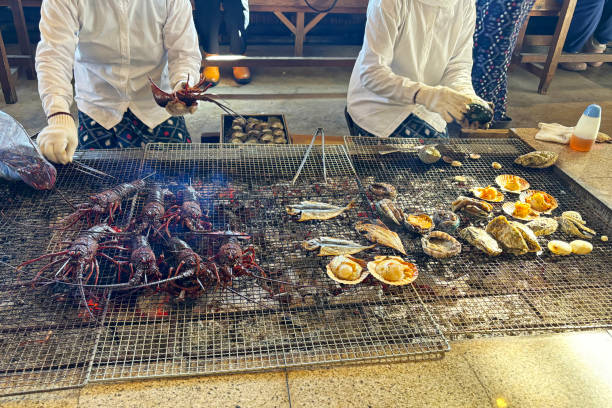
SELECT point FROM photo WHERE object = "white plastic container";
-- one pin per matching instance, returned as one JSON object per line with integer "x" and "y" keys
{"x": 586, "y": 129}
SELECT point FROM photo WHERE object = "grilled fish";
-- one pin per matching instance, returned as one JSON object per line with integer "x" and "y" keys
{"x": 381, "y": 235}
{"x": 334, "y": 246}
{"x": 313, "y": 210}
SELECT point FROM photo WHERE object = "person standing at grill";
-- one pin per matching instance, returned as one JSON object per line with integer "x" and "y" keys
{"x": 208, "y": 19}
{"x": 113, "y": 47}
{"x": 413, "y": 74}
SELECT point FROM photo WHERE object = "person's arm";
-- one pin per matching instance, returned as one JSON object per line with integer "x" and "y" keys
{"x": 54, "y": 63}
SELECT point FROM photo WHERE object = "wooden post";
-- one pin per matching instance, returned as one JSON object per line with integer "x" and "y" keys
{"x": 300, "y": 33}
{"x": 23, "y": 37}
{"x": 6, "y": 78}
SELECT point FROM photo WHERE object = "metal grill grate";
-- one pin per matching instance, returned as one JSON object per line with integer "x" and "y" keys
{"x": 473, "y": 293}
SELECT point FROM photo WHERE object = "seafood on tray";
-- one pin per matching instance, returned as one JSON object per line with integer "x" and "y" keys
{"x": 488, "y": 193}
{"x": 313, "y": 210}
{"x": 446, "y": 221}
{"x": 522, "y": 211}
{"x": 472, "y": 206}
{"x": 393, "y": 270}
{"x": 572, "y": 224}
{"x": 381, "y": 235}
{"x": 511, "y": 183}
{"x": 380, "y": 190}
{"x": 418, "y": 224}
{"x": 538, "y": 159}
{"x": 389, "y": 211}
{"x": 440, "y": 245}
{"x": 481, "y": 239}
{"x": 543, "y": 226}
{"x": 540, "y": 201}
{"x": 346, "y": 270}
{"x": 334, "y": 246}
{"x": 507, "y": 235}
{"x": 559, "y": 247}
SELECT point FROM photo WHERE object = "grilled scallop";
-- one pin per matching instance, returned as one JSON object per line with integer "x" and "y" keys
{"x": 346, "y": 270}
{"x": 511, "y": 183}
{"x": 488, "y": 193}
{"x": 393, "y": 270}
{"x": 539, "y": 200}
{"x": 522, "y": 211}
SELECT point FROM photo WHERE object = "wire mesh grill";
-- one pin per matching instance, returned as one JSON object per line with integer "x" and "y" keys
{"x": 474, "y": 293}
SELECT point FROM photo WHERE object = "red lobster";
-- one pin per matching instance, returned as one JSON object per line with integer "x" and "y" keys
{"x": 142, "y": 262}
{"x": 153, "y": 209}
{"x": 105, "y": 202}
{"x": 186, "y": 276}
{"x": 189, "y": 213}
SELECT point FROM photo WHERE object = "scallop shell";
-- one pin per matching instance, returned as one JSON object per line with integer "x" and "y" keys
{"x": 559, "y": 247}
{"x": 440, "y": 245}
{"x": 479, "y": 192}
{"x": 505, "y": 180}
{"x": 580, "y": 247}
{"x": 379, "y": 268}
{"x": 551, "y": 202}
{"x": 418, "y": 223}
{"x": 509, "y": 209}
{"x": 354, "y": 263}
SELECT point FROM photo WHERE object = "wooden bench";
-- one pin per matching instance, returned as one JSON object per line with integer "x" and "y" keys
{"x": 528, "y": 60}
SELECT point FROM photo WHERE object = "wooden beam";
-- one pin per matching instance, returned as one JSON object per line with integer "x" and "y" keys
{"x": 300, "y": 34}
{"x": 23, "y": 37}
{"x": 527, "y": 57}
{"x": 285, "y": 21}
{"x": 314, "y": 22}
{"x": 538, "y": 40}
{"x": 231, "y": 61}
{"x": 6, "y": 79}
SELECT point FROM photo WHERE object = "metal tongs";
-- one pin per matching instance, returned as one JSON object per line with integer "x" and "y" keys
{"x": 314, "y": 137}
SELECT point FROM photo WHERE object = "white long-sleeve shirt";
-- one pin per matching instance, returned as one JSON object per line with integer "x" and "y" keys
{"x": 113, "y": 46}
{"x": 409, "y": 43}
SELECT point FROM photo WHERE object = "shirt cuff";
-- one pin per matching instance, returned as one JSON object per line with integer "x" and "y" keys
{"x": 55, "y": 104}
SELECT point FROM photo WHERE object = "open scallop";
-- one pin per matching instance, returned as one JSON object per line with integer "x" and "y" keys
{"x": 511, "y": 183}
{"x": 488, "y": 193}
{"x": 393, "y": 270}
{"x": 522, "y": 211}
{"x": 539, "y": 200}
{"x": 346, "y": 270}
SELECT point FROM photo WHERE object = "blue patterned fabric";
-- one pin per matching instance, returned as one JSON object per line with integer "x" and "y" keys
{"x": 498, "y": 23}
{"x": 130, "y": 132}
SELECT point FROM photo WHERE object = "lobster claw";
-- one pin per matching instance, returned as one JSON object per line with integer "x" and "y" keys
{"x": 161, "y": 98}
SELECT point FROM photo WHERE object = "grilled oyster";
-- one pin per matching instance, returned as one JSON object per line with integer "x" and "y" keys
{"x": 580, "y": 247}
{"x": 543, "y": 226}
{"x": 539, "y": 200}
{"x": 481, "y": 239}
{"x": 313, "y": 210}
{"x": 507, "y": 235}
{"x": 334, "y": 246}
{"x": 440, "y": 245}
{"x": 559, "y": 247}
{"x": 418, "y": 224}
{"x": 389, "y": 211}
{"x": 382, "y": 190}
{"x": 393, "y": 270}
{"x": 429, "y": 154}
{"x": 511, "y": 183}
{"x": 529, "y": 236}
{"x": 522, "y": 211}
{"x": 538, "y": 159}
{"x": 472, "y": 206}
{"x": 488, "y": 193}
{"x": 381, "y": 235}
{"x": 572, "y": 224}
{"x": 446, "y": 221}
{"x": 346, "y": 269}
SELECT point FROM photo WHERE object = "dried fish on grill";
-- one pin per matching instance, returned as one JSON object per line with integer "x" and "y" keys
{"x": 507, "y": 235}
{"x": 429, "y": 154}
{"x": 559, "y": 247}
{"x": 346, "y": 270}
{"x": 572, "y": 224}
{"x": 382, "y": 190}
{"x": 488, "y": 193}
{"x": 381, "y": 235}
{"x": 543, "y": 226}
{"x": 529, "y": 236}
{"x": 313, "y": 210}
{"x": 522, "y": 211}
{"x": 440, "y": 245}
{"x": 481, "y": 239}
{"x": 418, "y": 224}
{"x": 539, "y": 200}
{"x": 393, "y": 270}
{"x": 446, "y": 221}
{"x": 580, "y": 247}
{"x": 389, "y": 211}
{"x": 334, "y": 246}
{"x": 538, "y": 159}
{"x": 511, "y": 183}
{"x": 471, "y": 206}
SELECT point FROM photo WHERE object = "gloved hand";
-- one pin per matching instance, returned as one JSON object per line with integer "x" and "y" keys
{"x": 465, "y": 123}
{"x": 178, "y": 108}
{"x": 450, "y": 104}
{"x": 58, "y": 141}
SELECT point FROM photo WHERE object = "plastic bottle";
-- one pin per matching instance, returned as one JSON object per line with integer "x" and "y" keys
{"x": 586, "y": 129}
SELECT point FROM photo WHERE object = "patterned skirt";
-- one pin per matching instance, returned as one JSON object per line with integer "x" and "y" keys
{"x": 130, "y": 132}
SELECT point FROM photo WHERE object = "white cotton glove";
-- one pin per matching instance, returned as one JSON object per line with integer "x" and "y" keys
{"x": 450, "y": 104}
{"x": 178, "y": 108}
{"x": 58, "y": 141}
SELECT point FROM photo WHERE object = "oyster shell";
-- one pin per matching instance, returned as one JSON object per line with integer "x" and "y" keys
{"x": 559, "y": 247}
{"x": 572, "y": 224}
{"x": 481, "y": 239}
{"x": 522, "y": 211}
{"x": 507, "y": 235}
{"x": 488, "y": 193}
{"x": 580, "y": 247}
{"x": 382, "y": 190}
{"x": 381, "y": 235}
{"x": 543, "y": 226}
{"x": 429, "y": 154}
{"x": 440, "y": 245}
{"x": 529, "y": 236}
{"x": 480, "y": 113}
{"x": 539, "y": 200}
{"x": 418, "y": 224}
{"x": 472, "y": 206}
{"x": 393, "y": 270}
{"x": 446, "y": 221}
{"x": 538, "y": 159}
{"x": 346, "y": 270}
{"x": 389, "y": 211}
{"x": 511, "y": 183}
{"x": 239, "y": 122}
